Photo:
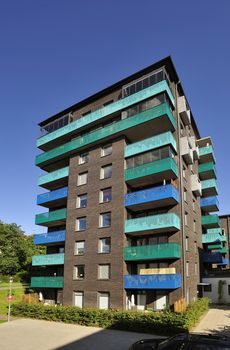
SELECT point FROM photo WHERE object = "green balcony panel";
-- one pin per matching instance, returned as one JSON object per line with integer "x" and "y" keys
{"x": 48, "y": 259}
{"x": 210, "y": 221}
{"x": 152, "y": 252}
{"x": 169, "y": 222}
{"x": 214, "y": 246}
{"x": 58, "y": 176}
{"x": 47, "y": 282}
{"x": 151, "y": 173}
{"x": 223, "y": 250}
{"x": 213, "y": 236}
{"x": 50, "y": 217}
{"x": 98, "y": 135}
{"x": 206, "y": 154}
{"x": 150, "y": 143}
{"x": 207, "y": 171}
{"x": 107, "y": 110}
{"x": 209, "y": 188}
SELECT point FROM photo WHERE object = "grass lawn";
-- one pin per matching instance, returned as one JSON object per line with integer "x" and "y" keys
{"x": 6, "y": 284}
{"x": 17, "y": 296}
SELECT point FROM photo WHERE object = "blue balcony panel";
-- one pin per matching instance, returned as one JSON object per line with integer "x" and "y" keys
{"x": 224, "y": 262}
{"x": 158, "y": 281}
{"x": 212, "y": 258}
{"x": 209, "y": 204}
{"x": 53, "y": 198}
{"x": 152, "y": 197}
{"x": 49, "y": 237}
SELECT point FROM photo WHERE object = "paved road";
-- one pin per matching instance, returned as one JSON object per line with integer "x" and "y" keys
{"x": 217, "y": 320}
{"x": 25, "y": 334}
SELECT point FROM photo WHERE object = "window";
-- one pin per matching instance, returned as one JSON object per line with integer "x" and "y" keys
{"x": 61, "y": 250}
{"x": 105, "y": 219}
{"x": 187, "y": 269}
{"x": 103, "y": 300}
{"x": 82, "y": 178}
{"x": 106, "y": 150}
{"x": 106, "y": 195}
{"x": 208, "y": 288}
{"x": 84, "y": 158}
{"x": 196, "y": 269}
{"x": 193, "y": 204}
{"x": 186, "y": 218}
{"x": 186, "y": 244}
{"x": 184, "y": 171}
{"x": 103, "y": 272}
{"x": 79, "y": 272}
{"x": 185, "y": 195}
{"x": 195, "y": 247}
{"x": 82, "y": 201}
{"x": 194, "y": 225}
{"x": 81, "y": 224}
{"x": 79, "y": 248}
{"x": 106, "y": 171}
{"x": 104, "y": 245}
{"x": 78, "y": 299}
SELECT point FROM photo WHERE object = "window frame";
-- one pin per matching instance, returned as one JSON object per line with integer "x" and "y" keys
{"x": 98, "y": 272}
{"x": 79, "y": 201}
{"x": 101, "y": 219}
{"x": 78, "y": 223}
{"x": 83, "y": 156}
{"x": 101, "y": 200}
{"x": 76, "y": 270}
{"x": 79, "y": 183}
{"x": 100, "y": 245}
{"x": 75, "y": 248}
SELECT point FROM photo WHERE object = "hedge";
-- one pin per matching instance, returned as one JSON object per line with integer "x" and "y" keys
{"x": 165, "y": 322}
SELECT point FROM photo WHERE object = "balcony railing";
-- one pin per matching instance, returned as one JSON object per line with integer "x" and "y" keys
{"x": 52, "y": 196}
{"x": 215, "y": 246}
{"x": 209, "y": 204}
{"x": 47, "y": 282}
{"x": 51, "y": 217}
{"x": 224, "y": 262}
{"x": 207, "y": 171}
{"x": 151, "y": 173}
{"x": 150, "y": 143}
{"x": 53, "y": 177}
{"x": 117, "y": 128}
{"x": 155, "y": 197}
{"x": 213, "y": 237}
{"x": 223, "y": 250}
{"x": 212, "y": 258}
{"x": 209, "y": 187}
{"x": 161, "y": 281}
{"x": 169, "y": 222}
{"x": 49, "y": 237}
{"x": 210, "y": 221}
{"x": 206, "y": 154}
{"x": 107, "y": 110}
{"x": 153, "y": 252}
{"x": 48, "y": 259}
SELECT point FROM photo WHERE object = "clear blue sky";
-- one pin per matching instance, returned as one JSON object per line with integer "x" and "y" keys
{"x": 53, "y": 53}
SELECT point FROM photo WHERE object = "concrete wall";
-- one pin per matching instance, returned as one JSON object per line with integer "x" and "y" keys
{"x": 213, "y": 295}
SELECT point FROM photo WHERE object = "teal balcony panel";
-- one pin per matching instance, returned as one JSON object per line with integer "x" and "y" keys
{"x": 206, "y": 154}
{"x": 107, "y": 110}
{"x": 210, "y": 221}
{"x": 215, "y": 246}
{"x": 48, "y": 259}
{"x": 55, "y": 178}
{"x": 53, "y": 198}
{"x": 223, "y": 250}
{"x": 50, "y": 237}
{"x": 47, "y": 282}
{"x": 207, "y": 171}
{"x": 152, "y": 197}
{"x": 209, "y": 188}
{"x": 161, "y": 281}
{"x": 150, "y": 143}
{"x": 213, "y": 237}
{"x": 169, "y": 222}
{"x": 209, "y": 204}
{"x": 151, "y": 173}
{"x": 51, "y": 218}
{"x": 103, "y": 133}
{"x": 152, "y": 252}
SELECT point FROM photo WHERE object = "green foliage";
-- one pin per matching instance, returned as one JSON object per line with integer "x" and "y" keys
{"x": 166, "y": 322}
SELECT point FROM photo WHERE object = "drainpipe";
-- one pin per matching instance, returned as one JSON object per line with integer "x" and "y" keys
{"x": 180, "y": 165}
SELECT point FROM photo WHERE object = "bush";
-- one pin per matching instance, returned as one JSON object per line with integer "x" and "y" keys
{"x": 166, "y": 322}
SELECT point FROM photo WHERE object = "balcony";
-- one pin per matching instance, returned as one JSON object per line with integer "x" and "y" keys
{"x": 50, "y": 238}
{"x": 161, "y": 281}
{"x": 210, "y": 221}
{"x": 217, "y": 231}
{"x": 155, "y": 120}
{"x": 169, "y": 222}
{"x": 97, "y": 115}
{"x": 223, "y": 250}
{"x": 47, "y": 282}
{"x": 51, "y": 218}
{"x": 158, "y": 271}
{"x": 209, "y": 204}
{"x": 186, "y": 150}
{"x": 53, "y": 198}
{"x": 214, "y": 246}
{"x": 212, "y": 258}
{"x": 207, "y": 171}
{"x": 54, "y": 179}
{"x": 150, "y": 173}
{"x": 206, "y": 154}
{"x": 224, "y": 262}
{"x": 152, "y": 252}
{"x": 48, "y": 259}
{"x": 213, "y": 237}
{"x": 153, "y": 197}
{"x": 184, "y": 110}
{"x": 209, "y": 188}
{"x": 150, "y": 143}
{"x": 196, "y": 185}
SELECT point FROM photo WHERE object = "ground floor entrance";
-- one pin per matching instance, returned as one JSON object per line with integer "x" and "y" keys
{"x": 147, "y": 300}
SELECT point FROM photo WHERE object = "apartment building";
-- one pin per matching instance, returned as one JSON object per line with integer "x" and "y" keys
{"x": 124, "y": 220}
